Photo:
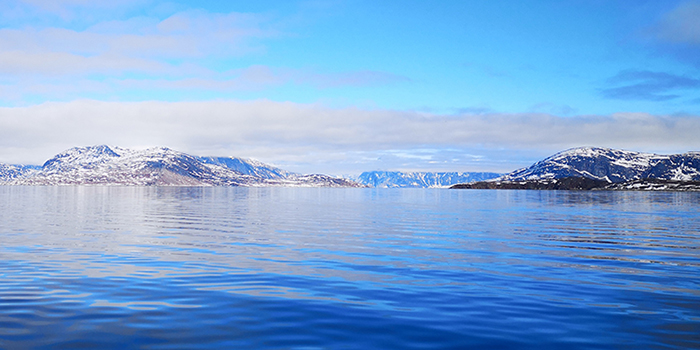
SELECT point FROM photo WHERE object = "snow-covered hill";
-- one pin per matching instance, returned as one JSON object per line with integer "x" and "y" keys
{"x": 161, "y": 166}
{"x": 420, "y": 179}
{"x": 248, "y": 167}
{"x": 612, "y": 166}
{"x": 11, "y": 171}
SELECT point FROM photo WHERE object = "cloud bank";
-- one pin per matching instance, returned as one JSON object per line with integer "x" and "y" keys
{"x": 306, "y": 136}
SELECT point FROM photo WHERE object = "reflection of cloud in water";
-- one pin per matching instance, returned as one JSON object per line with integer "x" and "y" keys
{"x": 357, "y": 246}
{"x": 158, "y": 232}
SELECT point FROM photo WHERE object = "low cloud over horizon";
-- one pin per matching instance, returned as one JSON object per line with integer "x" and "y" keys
{"x": 316, "y": 138}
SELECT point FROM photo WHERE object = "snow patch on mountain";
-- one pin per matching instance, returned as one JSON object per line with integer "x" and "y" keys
{"x": 160, "y": 166}
{"x": 613, "y": 166}
{"x": 248, "y": 167}
{"x": 11, "y": 171}
{"x": 397, "y": 179}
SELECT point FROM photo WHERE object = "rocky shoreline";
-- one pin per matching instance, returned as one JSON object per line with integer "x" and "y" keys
{"x": 584, "y": 184}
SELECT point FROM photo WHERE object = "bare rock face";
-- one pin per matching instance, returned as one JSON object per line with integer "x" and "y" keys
{"x": 104, "y": 165}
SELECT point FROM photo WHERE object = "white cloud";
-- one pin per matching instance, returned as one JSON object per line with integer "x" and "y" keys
{"x": 308, "y": 136}
{"x": 150, "y": 54}
{"x": 25, "y": 64}
{"x": 69, "y": 10}
{"x": 132, "y": 45}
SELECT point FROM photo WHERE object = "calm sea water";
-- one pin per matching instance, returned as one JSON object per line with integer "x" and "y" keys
{"x": 299, "y": 268}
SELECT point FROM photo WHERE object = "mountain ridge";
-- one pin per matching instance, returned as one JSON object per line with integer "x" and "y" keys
{"x": 399, "y": 179}
{"x": 610, "y": 165}
{"x": 603, "y": 169}
{"x": 576, "y": 168}
{"x": 158, "y": 166}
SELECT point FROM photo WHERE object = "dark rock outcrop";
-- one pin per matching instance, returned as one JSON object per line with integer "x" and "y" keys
{"x": 566, "y": 183}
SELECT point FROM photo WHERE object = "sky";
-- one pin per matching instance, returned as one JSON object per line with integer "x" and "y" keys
{"x": 344, "y": 86}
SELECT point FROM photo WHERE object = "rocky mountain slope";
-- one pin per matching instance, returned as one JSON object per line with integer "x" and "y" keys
{"x": 104, "y": 165}
{"x": 613, "y": 166}
{"x": 12, "y": 171}
{"x": 392, "y": 179}
{"x": 604, "y": 169}
{"x": 248, "y": 167}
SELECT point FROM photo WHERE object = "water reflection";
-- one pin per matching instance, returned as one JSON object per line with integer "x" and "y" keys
{"x": 449, "y": 259}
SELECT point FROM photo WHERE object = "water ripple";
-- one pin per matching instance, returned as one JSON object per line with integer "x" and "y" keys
{"x": 110, "y": 267}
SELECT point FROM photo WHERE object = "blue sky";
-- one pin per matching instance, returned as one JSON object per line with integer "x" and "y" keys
{"x": 346, "y": 86}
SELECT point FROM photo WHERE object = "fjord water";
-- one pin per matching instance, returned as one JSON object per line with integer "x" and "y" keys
{"x": 213, "y": 268}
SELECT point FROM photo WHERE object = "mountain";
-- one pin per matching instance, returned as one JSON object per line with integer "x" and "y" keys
{"x": 248, "y": 167}
{"x": 12, "y": 171}
{"x": 588, "y": 168}
{"x": 611, "y": 165}
{"x": 104, "y": 165}
{"x": 419, "y": 179}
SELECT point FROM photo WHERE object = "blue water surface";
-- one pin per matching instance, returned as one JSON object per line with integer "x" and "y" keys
{"x": 307, "y": 268}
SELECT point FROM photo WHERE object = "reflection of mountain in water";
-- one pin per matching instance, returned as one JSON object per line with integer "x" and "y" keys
{"x": 216, "y": 266}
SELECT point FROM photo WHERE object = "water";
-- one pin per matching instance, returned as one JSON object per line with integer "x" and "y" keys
{"x": 289, "y": 268}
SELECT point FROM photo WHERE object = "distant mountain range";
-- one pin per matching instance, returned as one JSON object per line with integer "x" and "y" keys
{"x": 585, "y": 168}
{"x": 397, "y": 179}
{"x": 589, "y": 168}
{"x": 104, "y": 165}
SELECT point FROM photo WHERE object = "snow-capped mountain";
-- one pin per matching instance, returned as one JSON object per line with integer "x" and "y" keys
{"x": 420, "y": 179}
{"x": 12, "y": 171}
{"x": 106, "y": 165}
{"x": 248, "y": 167}
{"x": 612, "y": 166}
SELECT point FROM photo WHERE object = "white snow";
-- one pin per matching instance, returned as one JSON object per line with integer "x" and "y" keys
{"x": 106, "y": 165}
{"x": 610, "y": 165}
